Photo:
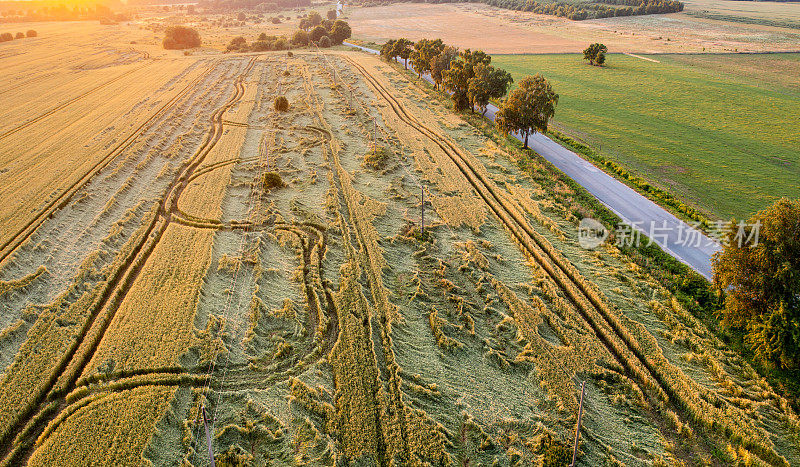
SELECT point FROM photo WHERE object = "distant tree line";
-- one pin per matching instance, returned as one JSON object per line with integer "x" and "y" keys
{"x": 39, "y": 12}
{"x": 581, "y": 11}
{"x": 260, "y": 5}
{"x": 313, "y": 30}
{"x": 472, "y": 82}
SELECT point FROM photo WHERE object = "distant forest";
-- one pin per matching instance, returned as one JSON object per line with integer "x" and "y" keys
{"x": 577, "y": 10}
{"x": 268, "y": 5}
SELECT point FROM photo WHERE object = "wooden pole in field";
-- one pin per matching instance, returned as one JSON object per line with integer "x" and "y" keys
{"x": 578, "y": 428}
{"x": 422, "y": 188}
{"x": 208, "y": 437}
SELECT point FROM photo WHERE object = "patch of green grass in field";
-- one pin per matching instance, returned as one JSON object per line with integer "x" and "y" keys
{"x": 720, "y": 131}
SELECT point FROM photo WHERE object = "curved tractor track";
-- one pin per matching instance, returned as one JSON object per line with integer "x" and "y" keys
{"x": 237, "y": 377}
{"x": 592, "y": 309}
{"x": 17, "y": 444}
{"x": 10, "y": 245}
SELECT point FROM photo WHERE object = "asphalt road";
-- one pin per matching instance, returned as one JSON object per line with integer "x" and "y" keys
{"x": 676, "y": 237}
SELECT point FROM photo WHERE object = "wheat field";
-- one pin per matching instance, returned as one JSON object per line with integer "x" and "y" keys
{"x": 177, "y": 249}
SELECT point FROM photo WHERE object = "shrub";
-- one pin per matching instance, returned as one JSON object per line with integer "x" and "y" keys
{"x": 281, "y": 44}
{"x": 31, "y": 33}
{"x": 376, "y": 158}
{"x": 339, "y": 32}
{"x": 316, "y": 34}
{"x": 6, "y": 36}
{"x": 325, "y": 42}
{"x": 181, "y": 37}
{"x": 241, "y": 17}
{"x": 271, "y": 180}
{"x": 263, "y": 37}
{"x": 276, "y": 20}
{"x": 300, "y": 38}
{"x": 281, "y": 104}
{"x": 20, "y": 35}
{"x": 237, "y": 44}
{"x": 555, "y": 453}
{"x": 261, "y": 46}
{"x": 288, "y": 54}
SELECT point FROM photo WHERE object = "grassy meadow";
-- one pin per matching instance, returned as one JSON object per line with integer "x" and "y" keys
{"x": 713, "y": 129}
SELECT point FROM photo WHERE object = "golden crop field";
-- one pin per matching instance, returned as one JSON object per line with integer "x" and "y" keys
{"x": 182, "y": 262}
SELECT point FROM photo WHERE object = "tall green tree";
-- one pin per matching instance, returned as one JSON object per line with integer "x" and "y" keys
{"x": 456, "y": 79}
{"x": 424, "y": 51}
{"x": 402, "y": 49}
{"x": 387, "y": 50}
{"x": 596, "y": 54}
{"x": 317, "y": 33}
{"x": 339, "y": 32}
{"x": 488, "y": 83}
{"x": 440, "y": 63}
{"x": 759, "y": 270}
{"x": 528, "y": 108}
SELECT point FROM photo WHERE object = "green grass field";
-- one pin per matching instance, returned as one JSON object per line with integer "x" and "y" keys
{"x": 720, "y": 131}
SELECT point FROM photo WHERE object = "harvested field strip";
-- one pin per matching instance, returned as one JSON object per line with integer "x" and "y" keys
{"x": 103, "y": 304}
{"x": 65, "y": 196}
{"x": 127, "y": 422}
{"x": 391, "y": 440}
{"x": 67, "y": 103}
{"x": 357, "y": 390}
{"x": 633, "y": 346}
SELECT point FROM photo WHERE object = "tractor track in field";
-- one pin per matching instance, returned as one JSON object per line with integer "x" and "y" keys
{"x": 239, "y": 377}
{"x": 589, "y": 307}
{"x": 67, "y": 103}
{"x": 18, "y": 442}
{"x": 28, "y": 82}
{"x": 10, "y": 245}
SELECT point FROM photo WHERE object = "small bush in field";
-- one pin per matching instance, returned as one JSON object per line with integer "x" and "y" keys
{"x": 31, "y": 33}
{"x": 181, "y": 37}
{"x": 20, "y": 35}
{"x": 376, "y": 158}
{"x": 6, "y": 36}
{"x": 325, "y": 42}
{"x": 271, "y": 180}
{"x": 281, "y": 104}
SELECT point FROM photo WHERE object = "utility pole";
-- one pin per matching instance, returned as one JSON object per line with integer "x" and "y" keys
{"x": 208, "y": 437}
{"x": 422, "y": 189}
{"x": 578, "y": 429}
{"x": 374, "y": 135}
